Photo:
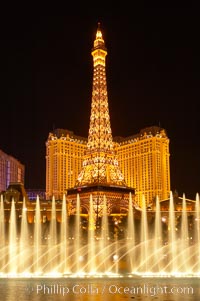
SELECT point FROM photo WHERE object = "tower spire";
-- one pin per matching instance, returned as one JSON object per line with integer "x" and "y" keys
{"x": 100, "y": 165}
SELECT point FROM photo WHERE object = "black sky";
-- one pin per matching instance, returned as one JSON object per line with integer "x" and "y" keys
{"x": 153, "y": 78}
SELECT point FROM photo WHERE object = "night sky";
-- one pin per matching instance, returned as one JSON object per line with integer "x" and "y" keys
{"x": 153, "y": 78}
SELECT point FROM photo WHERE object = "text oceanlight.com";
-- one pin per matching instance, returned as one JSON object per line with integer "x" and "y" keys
{"x": 113, "y": 289}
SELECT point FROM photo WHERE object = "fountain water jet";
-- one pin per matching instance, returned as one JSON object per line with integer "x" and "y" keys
{"x": 144, "y": 238}
{"x": 184, "y": 236}
{"x": 64, "y": 234}
{"x": 131, "y": 234}
{"x": 37, "y": 238}
{"x": 64, "y": 252}
{"x": 13, "y": 263}
{"x": 158, "y": 236}
{"x": 104, "y": 236}
{"x": 77, "y": 238}
{"x": 197, "y": 229}
{"x": 52, "y": 239}
{"x": 172, "y": 235}
{"x": 91, "y": 239}
{"x": 24, "y": 240}
{"x": 2, "y": 233}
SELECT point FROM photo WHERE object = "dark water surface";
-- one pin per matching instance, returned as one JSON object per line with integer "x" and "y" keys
{"x": 106, "y": 289}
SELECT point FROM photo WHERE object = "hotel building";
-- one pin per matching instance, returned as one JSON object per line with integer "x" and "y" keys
{"x": 64, "y": 155}
{"x": 11, "y": 170}
{"x": 144, "y": 161}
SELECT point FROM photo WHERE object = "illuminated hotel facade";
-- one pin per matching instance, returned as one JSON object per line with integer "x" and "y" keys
{"x": 11, "y": 170}
{"x": 140, "y": 162}
{"x": 64, "y": 155}
{"x": 144, "y": 161}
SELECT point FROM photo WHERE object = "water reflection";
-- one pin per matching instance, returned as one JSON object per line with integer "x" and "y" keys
{"x": 100, "y": 289}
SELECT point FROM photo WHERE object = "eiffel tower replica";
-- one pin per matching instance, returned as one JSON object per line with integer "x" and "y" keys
{"x": 100, "y": 176}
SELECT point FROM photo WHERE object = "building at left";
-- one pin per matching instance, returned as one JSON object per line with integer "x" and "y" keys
{"x": 64, "y": 156}
{"x": 11, "y": 170}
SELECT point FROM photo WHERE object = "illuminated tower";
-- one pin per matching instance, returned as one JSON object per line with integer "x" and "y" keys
{"x": 100, "y": 172}
{"x": 100, "y": 164}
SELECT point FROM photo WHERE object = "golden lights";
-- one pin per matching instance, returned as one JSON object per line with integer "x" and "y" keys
{"x": 100, "y": 164}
